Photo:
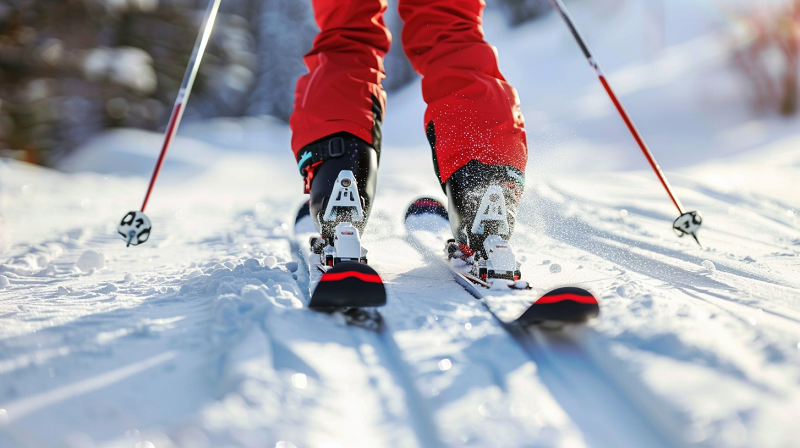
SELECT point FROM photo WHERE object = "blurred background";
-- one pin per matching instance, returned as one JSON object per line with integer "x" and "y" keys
{"x": 70, "y": 69}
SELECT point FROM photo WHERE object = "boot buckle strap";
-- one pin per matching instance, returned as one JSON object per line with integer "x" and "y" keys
{"x": 336, "y": 147}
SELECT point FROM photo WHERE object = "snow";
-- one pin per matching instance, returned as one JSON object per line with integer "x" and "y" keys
{"x": 90, "y": 260}
{"x": 197, "y": 338}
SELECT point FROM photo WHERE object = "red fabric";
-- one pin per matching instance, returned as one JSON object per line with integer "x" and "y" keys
{"x": 345, "y": 69}
{"x": 475, "y": 112}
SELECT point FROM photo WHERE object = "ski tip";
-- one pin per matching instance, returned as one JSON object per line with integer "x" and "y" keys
{"x": 569, "y": 304}
{"x": 427, "y": 205}
{"x": 349, "y": 284}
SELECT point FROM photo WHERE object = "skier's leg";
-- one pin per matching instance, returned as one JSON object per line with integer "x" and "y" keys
{"x": 473, "y": 120}
{"x": 339, "y": 104}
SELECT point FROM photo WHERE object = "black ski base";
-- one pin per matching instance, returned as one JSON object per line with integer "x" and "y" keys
{"x": 348, "y": 284}
{"x": 568, "y": 304}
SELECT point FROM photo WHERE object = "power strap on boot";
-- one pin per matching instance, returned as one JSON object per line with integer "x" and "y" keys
{"x": 334, "y": 146}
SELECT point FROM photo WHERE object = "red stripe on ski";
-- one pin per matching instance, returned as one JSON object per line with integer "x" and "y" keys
{"x": 427, "y": 202}
{"x": 562, "y": 297}
{"x": 337, "y": 276}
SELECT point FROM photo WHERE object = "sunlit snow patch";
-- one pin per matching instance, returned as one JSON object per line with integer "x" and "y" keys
{"x": 90, "y": 260}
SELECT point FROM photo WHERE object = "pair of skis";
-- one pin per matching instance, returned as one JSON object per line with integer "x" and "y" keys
{"x": 353, "y": 285}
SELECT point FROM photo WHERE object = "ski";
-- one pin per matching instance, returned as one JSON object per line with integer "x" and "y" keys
{"x": 511, "y": 300}
{"x": 349, "y": 286}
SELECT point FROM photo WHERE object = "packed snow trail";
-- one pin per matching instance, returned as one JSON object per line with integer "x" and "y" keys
{"x": 196, "y": 335}
{"x": 376, "y": 335}
{"x": 481, "y": 387}
{"x": 605, "y": 412}
{"x": 259, "y": 354}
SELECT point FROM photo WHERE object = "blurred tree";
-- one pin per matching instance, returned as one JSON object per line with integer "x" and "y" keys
{"x": 766, "y": 49}
{"x": 285, "y": 30}
{"x": 399, "y": 72}
{"x": 71, "y": 68}
{"x": 518, "y": 12}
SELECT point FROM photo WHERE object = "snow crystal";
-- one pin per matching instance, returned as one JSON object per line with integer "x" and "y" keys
{"x": 228, "y": 287}
{"x": 221, "y": 272}
{"x": 91, "y": 260}
{"x": 254, "y": 294}
{"x": 709, "y": 265}
{"x": 555, "y": 268}
{"x": 4, "y": 281}
{"x": 107, "y": 288}
{"x": 49, "y": 271}
{"x": 194, "y": 273}
{"x": 300, "y": 380}
{"x": 252, "y": 263}
{"x": 270, "y": 261}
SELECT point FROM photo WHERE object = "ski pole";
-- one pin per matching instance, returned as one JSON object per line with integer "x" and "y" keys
{"x": 135, "y": 226}
{"x": 688, "y": 223}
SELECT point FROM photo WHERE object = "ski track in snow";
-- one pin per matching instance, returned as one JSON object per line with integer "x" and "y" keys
{"x": 579, "y": 385}
{"x": 748, "y": 343}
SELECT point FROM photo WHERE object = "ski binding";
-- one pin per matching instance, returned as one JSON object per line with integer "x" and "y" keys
{"x": 495, "y": 279}
{"x": 347, "y": 281}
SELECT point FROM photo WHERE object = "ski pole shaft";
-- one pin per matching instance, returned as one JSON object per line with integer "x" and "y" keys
{"x": 185, "y": 90}
{"x": 562, "y": 10}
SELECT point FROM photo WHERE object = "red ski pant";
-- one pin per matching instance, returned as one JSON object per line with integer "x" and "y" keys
{"x": 472, "y": 113}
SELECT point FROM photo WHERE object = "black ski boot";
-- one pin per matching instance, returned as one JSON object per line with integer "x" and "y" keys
{"x": 325, "y": 164}
{"x": 483, "y": 202}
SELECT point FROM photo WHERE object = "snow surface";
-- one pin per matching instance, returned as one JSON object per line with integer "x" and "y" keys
{"x": 198, "y": 338}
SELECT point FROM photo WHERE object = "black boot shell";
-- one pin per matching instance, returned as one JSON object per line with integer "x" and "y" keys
{"x": 357, "y": 156}
{"x": 464, "y": 190}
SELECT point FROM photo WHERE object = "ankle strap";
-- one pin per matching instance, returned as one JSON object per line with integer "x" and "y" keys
{"x": 327, "y": 148}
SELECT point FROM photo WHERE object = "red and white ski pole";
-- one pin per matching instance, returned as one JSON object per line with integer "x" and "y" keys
{"x": 135, "y": 226}
{"x": 688, "y": 223}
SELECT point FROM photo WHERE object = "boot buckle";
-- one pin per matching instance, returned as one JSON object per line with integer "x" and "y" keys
{"x": 336, "y": 147}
